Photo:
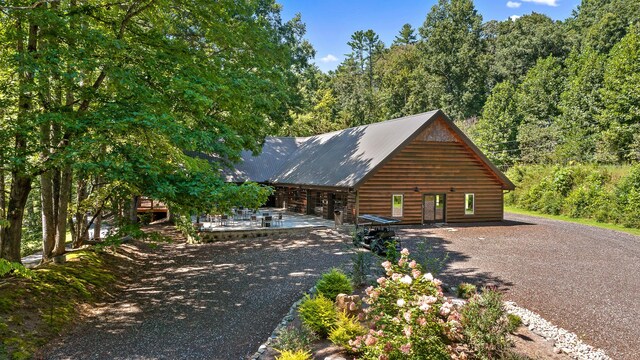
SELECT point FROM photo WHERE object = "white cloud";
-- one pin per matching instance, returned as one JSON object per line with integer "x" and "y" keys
{"x": 543, "y": 2}
{"x": 514, "y": 17}
{"x": 329, "y": 58}
{"x": 513, "y": 4}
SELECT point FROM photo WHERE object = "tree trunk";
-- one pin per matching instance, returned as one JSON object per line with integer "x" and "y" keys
{"x": 3, "y": 205}
{"x": 81, "y": 230}
{"x": 48, "y": 221}
{"x": 133, "y": 210}
{"x": 12, "y": 234}
{"x": 63, "y": 210}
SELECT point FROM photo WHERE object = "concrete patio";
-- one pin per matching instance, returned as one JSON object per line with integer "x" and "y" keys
{"x": 243, "y": 227}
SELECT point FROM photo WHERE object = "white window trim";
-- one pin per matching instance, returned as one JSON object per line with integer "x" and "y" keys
{"x": 393, "y": 205}
{"x": 473, "y": 204}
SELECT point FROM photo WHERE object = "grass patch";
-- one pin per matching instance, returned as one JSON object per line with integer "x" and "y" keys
{"x": 589, "y": 222}
{"x": 34, "y": 309}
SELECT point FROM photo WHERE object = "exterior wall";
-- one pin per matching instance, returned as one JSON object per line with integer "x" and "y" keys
{"x": 434, "y": 162}
{"x": 316, "y": 202}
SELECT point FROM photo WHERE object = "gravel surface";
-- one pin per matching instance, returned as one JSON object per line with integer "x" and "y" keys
{"x": 580, "y": 278}
{"x": 212, "y": 301}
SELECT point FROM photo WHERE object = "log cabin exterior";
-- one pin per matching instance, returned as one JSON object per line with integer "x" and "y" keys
{"x": 419, "y": 169}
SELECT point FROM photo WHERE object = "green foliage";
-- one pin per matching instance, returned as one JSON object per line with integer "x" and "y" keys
{"x": 333, "y": 283}
{"x": 319, "y": 314}
{"x": 485, "y": 325}
{"x": 346, "y": 329}
{"x": 361, "y": 267}
{"x": 514, "y": 322}
{"x": 293, "y": 338}
{"x": 466, "y": 290}
{"x": 8, "y": 268}
{"x": 294, "y": 355}
{"x": 605, "y": 194}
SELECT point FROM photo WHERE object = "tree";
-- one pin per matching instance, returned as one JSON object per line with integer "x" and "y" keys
{"x": 396, "y": 70}
{"x": 407, "y": 36}
{"x": 496, "y": 132}
{"x": 538, "y": 97}
{"x": 580, "y": 105}
{"x": 519, "y": 44}
{"x": 127, "y": 90}
{"x": 452, "y": 51}
{"x": 621, "y": 113}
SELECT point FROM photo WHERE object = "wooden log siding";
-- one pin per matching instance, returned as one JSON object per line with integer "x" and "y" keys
{"x": 433, "y": 167}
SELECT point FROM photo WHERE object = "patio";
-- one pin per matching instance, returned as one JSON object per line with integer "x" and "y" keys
{"x": 264, "y": 222}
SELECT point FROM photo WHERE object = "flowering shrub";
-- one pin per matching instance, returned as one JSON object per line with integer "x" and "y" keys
{"x": 486, "y": 325}
{"x": 410, "y": 318}
{"x": 294, "y": 355}
{"x": 466, "y": 290}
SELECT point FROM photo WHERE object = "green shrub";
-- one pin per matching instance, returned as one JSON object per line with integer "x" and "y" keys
{"x": 514, "y": 322}
{"x": 294, "y": 355}
{"x": 485, "y": 325}
{"x": 319, "y": 314}
{"x": 293, "y": 338}
{"x": 346, "y": 328}
{"x": 333, "y": 283}
{"x": 466, "y": 290}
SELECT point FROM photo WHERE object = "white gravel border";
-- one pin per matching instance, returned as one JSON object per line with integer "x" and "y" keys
{"x": 564, "y": 341}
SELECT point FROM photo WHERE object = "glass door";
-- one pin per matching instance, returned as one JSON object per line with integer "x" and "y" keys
{"x": 433, "y": 208}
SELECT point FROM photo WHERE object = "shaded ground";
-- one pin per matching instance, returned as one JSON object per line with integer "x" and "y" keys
{"x": 581, "y": 278}
{"x": 212, "y": 301}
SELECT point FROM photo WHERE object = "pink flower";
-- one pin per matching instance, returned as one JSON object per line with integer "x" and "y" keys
{"x": 406, "y": 348}
{"x": 401, "y": 262}
{"x": 428, "y": 277}
{"x": 388, "y": 347}
{"x": 406, "y": 280}
{"x": 437, "y": 282}
{"x": 401, "y": 302}
{"x": 369, "y": 290}
{"x": 407, "y": 316}
{"x": 407, "y": 331}
{"x": 383, "y": 357}
{"x": 382, "y": 281}
{"x": 405, "y": 252}
{"x": 416, "y": 273}
{"x": 396, "y": 276}
{"x": 352, "y": 306}
{"x": 413, "y": 264}
{"x": 445, "y": 309}
{"x": 422, "y": 321}
{"x": 386, "y": 265}
{"x": 425, "y": 307}
{"x": 370, "y": 340}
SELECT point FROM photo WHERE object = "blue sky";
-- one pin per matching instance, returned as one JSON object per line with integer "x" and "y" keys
{"x": 330, "y": 23}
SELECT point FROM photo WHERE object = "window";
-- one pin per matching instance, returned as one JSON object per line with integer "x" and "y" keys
{"x": 396, "y": 208}
{"x": 469, "y": 204}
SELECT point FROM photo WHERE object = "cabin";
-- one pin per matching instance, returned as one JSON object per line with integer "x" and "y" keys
{"x": 419, "y": 169}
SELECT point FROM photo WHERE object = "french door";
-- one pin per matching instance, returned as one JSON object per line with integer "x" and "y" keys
{"x": 433, "y": 208}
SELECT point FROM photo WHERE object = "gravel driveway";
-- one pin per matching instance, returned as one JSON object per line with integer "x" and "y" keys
{"x": 584, "y": 279}
{"x": 211, "y": 301}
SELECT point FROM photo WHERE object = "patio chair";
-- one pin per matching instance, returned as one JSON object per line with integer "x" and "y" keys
{"x": 266, "y": 221}
{"x": 224, "y": 220}
{"x": 253, "y": 220}
{"x": 279, "y": 221}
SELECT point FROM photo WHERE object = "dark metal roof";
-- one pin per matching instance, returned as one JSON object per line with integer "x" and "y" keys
{"x": 264, "y": 166}
{"x": 342, "y": 158}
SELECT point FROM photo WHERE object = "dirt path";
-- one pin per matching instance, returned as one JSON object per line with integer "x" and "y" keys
{"x": 213, "y": 301}
{"x": 582, "y": 278}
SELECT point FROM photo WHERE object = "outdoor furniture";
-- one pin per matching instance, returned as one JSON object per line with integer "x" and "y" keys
{"x": 279, "y": 221}
{"x": 224, "y": 220}
{"x": 266, "y": 221}
{"x": 253, "y": 220}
